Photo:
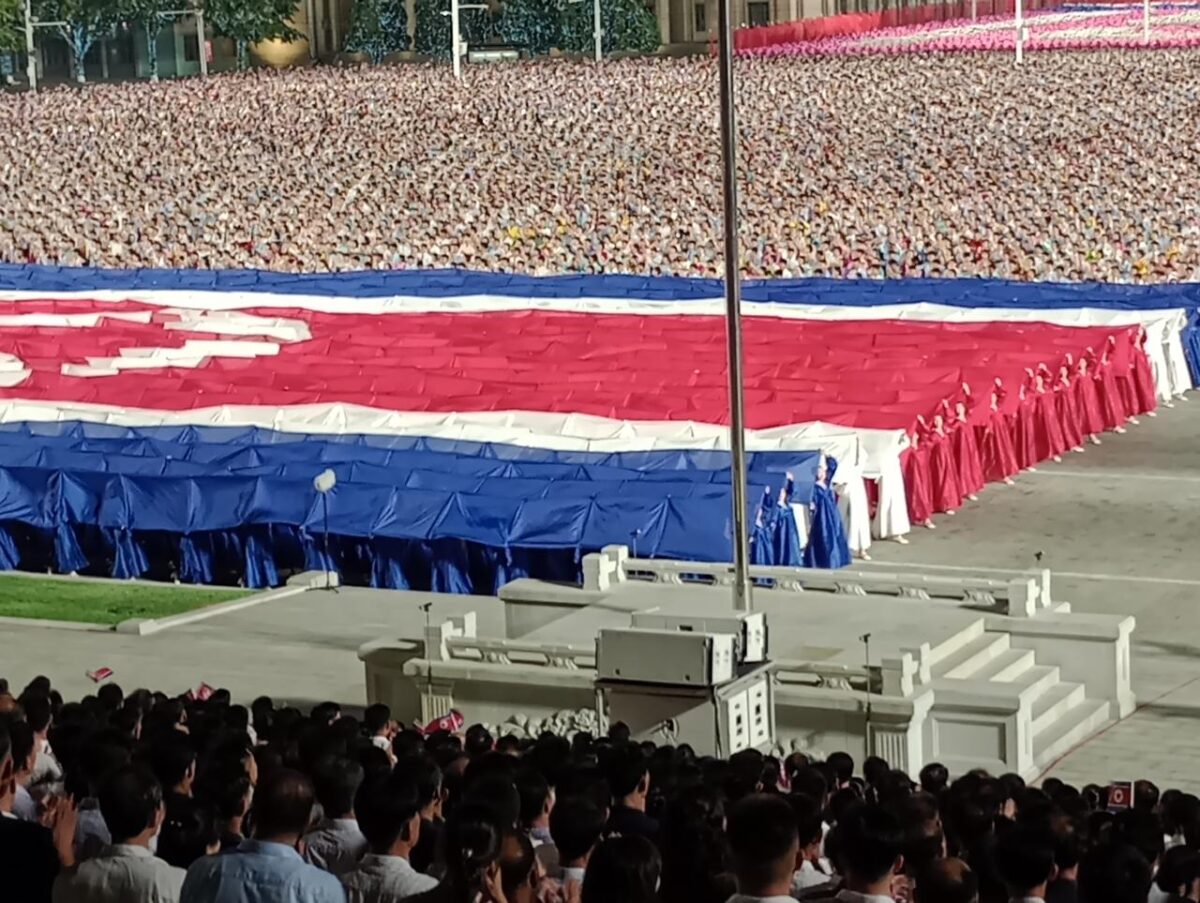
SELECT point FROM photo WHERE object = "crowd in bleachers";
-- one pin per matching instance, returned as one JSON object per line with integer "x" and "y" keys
{"x": 143, "y": 797}
{"x": 1074, "y": 166}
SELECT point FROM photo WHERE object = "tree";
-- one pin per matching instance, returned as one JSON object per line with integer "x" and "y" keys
{"x": 532, "y": 24}
{"x": 251, "y": 21}
{"x": 433, "y": 26}
{"x": 379, "y": 27}
{"x": 150, "y": 15}
{"x": 627, "y": 25}
{"x": 83, "y": 22}
{"x": 12, "y": 28}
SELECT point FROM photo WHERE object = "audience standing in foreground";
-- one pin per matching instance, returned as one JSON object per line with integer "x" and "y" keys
{"x": 267, "y": 869}
{"x": 132, "y": 805}
{"x": 390, "y": 816}
{"x": 336, "y": 843}
{"x": 766, "y": 847}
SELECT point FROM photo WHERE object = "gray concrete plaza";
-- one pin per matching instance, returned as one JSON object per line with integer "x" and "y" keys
{"x": 1116, "y": 524}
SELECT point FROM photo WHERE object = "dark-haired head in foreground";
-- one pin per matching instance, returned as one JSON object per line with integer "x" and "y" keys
{"x": 765, "y": 844}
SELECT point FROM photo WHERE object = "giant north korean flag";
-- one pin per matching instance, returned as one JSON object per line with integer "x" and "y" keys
{"x": 179, "y": 403}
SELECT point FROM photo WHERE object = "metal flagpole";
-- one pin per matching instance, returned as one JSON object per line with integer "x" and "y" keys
{"x": 1145, "y": 21}
{"x": 1020, "y": 34}
{"x": 202, "y": 39}
{"x": 30, "y": 50}
{"x": 733, "y": 311}
{"x": 597, "y": 33}
{"x": 454, "y": 39}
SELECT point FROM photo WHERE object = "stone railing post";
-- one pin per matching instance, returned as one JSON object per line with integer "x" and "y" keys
{"x": 1023, "y": 598}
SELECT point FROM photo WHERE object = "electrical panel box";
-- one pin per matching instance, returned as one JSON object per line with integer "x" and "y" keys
{"x": 714, "y": 721}
{"x": 673, "y": 657}
{"x": 749, "y": 627}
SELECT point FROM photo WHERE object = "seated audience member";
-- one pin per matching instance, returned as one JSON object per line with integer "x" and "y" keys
{"x": 389, "y": 815}
{"x": 1114, "y": 873}
{"x": 189, "y": 831}
{"x": 1024, "y": 861}
{"x": 29, "y": 861}
{"x": 623, "y": 870}
{"x": 765, "y": 844}
{"x": 810, "y": 869}
{"x": 267, "y": 869}
{"x": 132, "y": 806}
{"x": 868, "y": 852}
{"x": 474, "y": 844}
{"x": 576, "y": 825}
{"x": 629, "y": 781}
{"x": 946, "y": 881}
{"x": 336, "y": 844}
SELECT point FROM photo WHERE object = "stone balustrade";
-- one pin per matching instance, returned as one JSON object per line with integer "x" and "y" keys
{"x": 1022, "y": 596}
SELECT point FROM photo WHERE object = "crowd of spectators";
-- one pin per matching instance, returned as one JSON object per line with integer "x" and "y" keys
{"x": 1074, "y": 166}
{"x": 143, "y": 797}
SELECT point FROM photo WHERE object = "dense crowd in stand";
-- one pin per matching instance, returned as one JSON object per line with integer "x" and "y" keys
{"x": 1074, "y": 166}
{"x": 150, "y": 798}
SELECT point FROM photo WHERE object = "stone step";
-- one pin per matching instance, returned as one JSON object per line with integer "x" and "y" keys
{"x": 972, "y": 656}
{"x": 1005, "y": 667}
{"x": 1073, "y": 726}
{"x": 1053, "y": 703}
{"x": 1038, "y": 679}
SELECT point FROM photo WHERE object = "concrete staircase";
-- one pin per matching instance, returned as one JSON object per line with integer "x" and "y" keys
{"x": 995, "y": 704}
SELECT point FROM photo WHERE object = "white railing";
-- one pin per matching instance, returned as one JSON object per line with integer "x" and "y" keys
{"x": 1021, "y": 596}
{"x": 454, "y": 641}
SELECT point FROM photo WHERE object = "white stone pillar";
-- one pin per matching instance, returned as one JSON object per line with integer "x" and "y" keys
{"x": 793, "y": 10}
{"x": 663, "y": 9}
{"x": 410, "y": 9}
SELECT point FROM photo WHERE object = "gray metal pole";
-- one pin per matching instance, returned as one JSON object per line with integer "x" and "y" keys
{"x": 733, "y": 311}
{"x": 202, "y": 40}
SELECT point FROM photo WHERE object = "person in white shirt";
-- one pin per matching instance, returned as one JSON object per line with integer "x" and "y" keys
{"x": 336, "y": 844}
{"x": 132, "y": 806}
{"x": 810, "y": 864}
{"x": 47, "y": 773}
{"x": 765, "y": 844}
{"x": 868, "y": 841}
{"x": 390, "y": 816}
{"x": 576, "y": 825}
{"x": 379, "y": 726}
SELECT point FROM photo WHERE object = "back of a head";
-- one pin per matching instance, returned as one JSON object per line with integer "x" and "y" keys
{"x": 38, "y": 711}
{"x": 623, "y": 870}
{"x": 376, "y": 717}
{"x": 473, "y": 843}
{"x": 283, "y": 803}
{"x": 875, "y": 770}
{"x": 1180, "y": 866}
{"x": 130, "y": 799}
{"x": 811, "y": 783}
{"x": 425, "y": 776}
{"x": 189, "y": 832}
{"x": 386, "y": 810}
{"x": 478, "y": 740}
{"x": 517, "y": 866}
{"x": 1024, "y": 858}
{"x": 498, "y": 795}
{"x": 764, "y": 841}
{"x": 946, "y": 881}
{"x": 870, "y": 842}
{"x": 336, "y": 780}
{"x": 22, "y": 742}
{"x": 842, "y": 765}
{"x": 1114, "y": 873}
{"x": 1141, "y": 828}
{"x": 171, "y": 757}
{"x": 809, "y": 822}
{"x": 934, "y": 778}
{"x": 576, "y": 824}
{"x": 626, "y": 769}
{"x": 534, "y": 792}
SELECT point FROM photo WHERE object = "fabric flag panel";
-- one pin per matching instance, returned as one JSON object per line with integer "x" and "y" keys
{"x": 485, "y": 426}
